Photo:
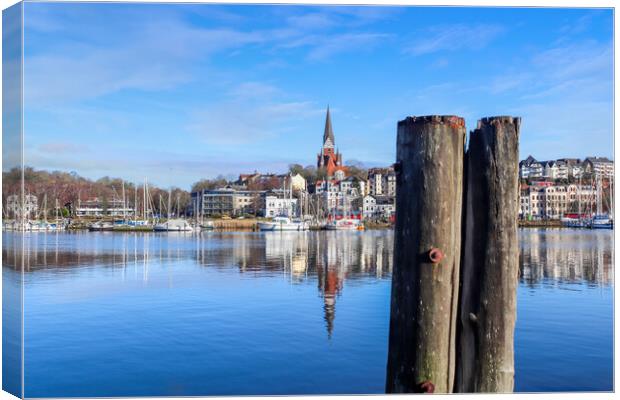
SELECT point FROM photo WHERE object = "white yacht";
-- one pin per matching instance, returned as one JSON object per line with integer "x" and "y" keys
{"x": 344, "y": 224}
{"x": 282, "y": 223}
{"x": 174, "y": 225}
{"x": 101, "y": 226}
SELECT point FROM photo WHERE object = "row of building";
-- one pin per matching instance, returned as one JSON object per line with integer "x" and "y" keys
{"x": 339, "y": 193}
{"x": 546, "y": 200}
{"x": 347, "y": 196}
{"x": 567, "y": 168}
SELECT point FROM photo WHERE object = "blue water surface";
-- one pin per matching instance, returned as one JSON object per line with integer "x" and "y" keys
{"x": 145, "y": 314}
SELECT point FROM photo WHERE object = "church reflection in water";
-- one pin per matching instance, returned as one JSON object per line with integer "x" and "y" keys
{"x": 329, "y": 257}
{"x": 547, "y": 257}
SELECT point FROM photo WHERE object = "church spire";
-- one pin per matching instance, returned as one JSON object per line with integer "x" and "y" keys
{"x": 328, "y": 134}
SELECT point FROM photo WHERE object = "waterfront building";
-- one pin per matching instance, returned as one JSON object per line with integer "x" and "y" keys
{"x": 275, "y": 203}
{"x": 97, "y": 207}
{"x": 368, "y": 206}
{"x": 554, "y": 201}
{"x": 340, "y": 195}
{"x": 377, "y": 207}
{"x": 386, "y": 207}
{"x": 599, "y": 167}
{"x": 382, "y": 181}
{"x": 353, "y": 184}
{"x": 574, "y": 167}
{"x": 566, "y": 168}
{"x": 555, "y": 169}
{"x": 17, "y": 211}
{"x": 530, "y": 168}
{"x": 329, "y": 158}
{"x": 229, "y": 201}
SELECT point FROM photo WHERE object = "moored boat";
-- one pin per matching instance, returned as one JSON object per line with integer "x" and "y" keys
{"x": 173, "y": 225}
{"x": 601, "y": 221}
{"x": 101, "y": 226}
{"x": 344, "y": 224}
{"x": 207, "y": 226}
{"x": 283, "y": 224}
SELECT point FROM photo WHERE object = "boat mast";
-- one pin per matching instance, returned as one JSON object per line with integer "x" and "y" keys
{"x": 45, "y": 207}
{"x": 599, "y": 198}
{"x": 611, "y": 198}
{"x": 169, "y": 202}
{"x": 124, "y": 204}
{"x": 144, "y": 216}
{"x": 579, "y": 194}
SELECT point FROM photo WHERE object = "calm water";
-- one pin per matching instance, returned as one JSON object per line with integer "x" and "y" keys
{"x": 110, "y": 314}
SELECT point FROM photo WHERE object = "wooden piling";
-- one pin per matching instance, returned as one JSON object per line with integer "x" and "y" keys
{"x": 489, "y": 270}
{"x": 429, "y": 168}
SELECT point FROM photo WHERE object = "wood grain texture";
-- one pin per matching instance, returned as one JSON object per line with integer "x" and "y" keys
{"x": 428, "y": 215}
{"x": 489, "y": 270}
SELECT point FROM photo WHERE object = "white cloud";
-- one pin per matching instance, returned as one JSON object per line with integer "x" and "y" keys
{"x": 454, "y": 37}
{"x": 241, "y": 122}
{"x": 329, "y": 45}
{"x": 158, "y": 53}
{"x": 249, "y": 90}
{"x": 311, "y": 21}
{"x": 58, "y": 147}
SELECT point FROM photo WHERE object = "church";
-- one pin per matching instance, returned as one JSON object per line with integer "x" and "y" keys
{"x": 329, "y": 158}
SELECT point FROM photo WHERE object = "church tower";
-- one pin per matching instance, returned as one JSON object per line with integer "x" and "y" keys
{"x": 329, "y": 158}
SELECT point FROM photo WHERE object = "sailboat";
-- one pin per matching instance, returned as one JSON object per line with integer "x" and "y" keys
{"x": 600, "y": 220}
{"x": 285, "y": 222}
{"x": 175, "y": 224}
{"x": 346, "y": 223}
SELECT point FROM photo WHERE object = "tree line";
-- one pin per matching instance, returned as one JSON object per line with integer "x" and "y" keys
{"x": 67, "y": 189}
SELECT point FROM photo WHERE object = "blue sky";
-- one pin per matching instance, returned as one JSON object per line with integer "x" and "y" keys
{"x": 181, "y": 92}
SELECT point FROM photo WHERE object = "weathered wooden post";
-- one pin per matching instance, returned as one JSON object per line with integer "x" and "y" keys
{"x": 490, "y": 267}
{"x": 425, "y": 279}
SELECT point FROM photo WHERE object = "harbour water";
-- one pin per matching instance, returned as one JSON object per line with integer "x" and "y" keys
{"x": 146, "y": 314}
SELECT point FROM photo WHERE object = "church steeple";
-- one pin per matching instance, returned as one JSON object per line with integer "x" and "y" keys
{"x": 328, "y": 134}
{"x": 328, "y": 157}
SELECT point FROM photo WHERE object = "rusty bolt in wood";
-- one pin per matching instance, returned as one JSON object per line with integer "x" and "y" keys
{"x": 427, "y": 387}
{"x": 435, "y": 255}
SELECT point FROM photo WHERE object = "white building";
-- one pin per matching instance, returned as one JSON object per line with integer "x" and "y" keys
{"x": 531, "y": 168}
{"x": 378, "y": 207}
{"x": 297, "y": 182}
{"x": 369, "y": 206}
{"x": 274, "y": 206}
{"x": 28, "y": 210}
{"x": 599, "y": 166}
{"x": 101, "y": 208}
{"x": 382, "y": 181}
{"x": 228, "y": 200}
{"x": 553, "y": 202}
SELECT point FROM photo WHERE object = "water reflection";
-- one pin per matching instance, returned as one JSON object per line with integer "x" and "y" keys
{"x": 547, "y": 257}
{"x": 206, "y": 312}
{"x": 330, "y": 258}
{"x": 560, "y": 256}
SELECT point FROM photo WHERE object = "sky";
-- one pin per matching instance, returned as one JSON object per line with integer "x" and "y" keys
{"x": 181, "y": 92}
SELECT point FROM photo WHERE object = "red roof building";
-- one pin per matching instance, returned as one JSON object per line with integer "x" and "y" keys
{"x": 329, "y": 158}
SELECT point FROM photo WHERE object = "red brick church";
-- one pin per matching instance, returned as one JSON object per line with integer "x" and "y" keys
{"x": 329, "y": 158}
